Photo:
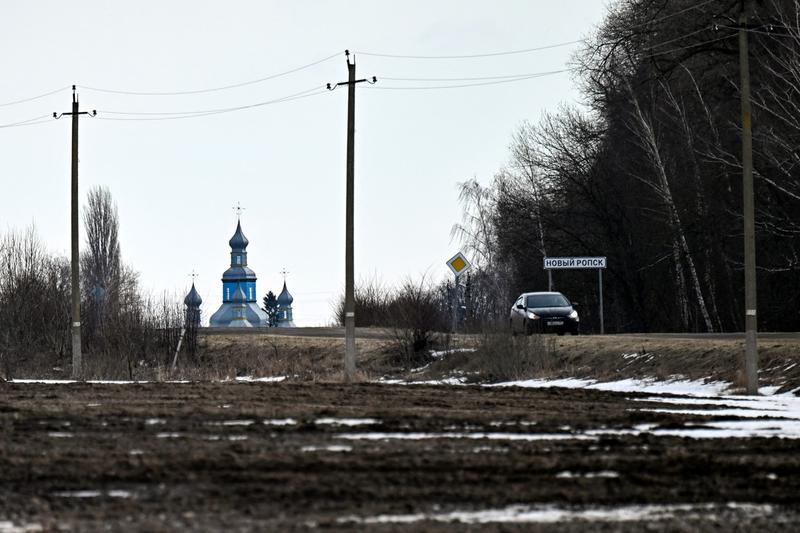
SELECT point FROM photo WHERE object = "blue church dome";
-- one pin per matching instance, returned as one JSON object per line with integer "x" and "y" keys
{"x": 238, "y": 242}
{"x": 285, "y": 298}
{"x": 193, "y": 298}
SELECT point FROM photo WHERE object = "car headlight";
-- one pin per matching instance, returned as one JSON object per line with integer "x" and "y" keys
{"x": 574, "y": 315}
{"x": 532, "y": 315}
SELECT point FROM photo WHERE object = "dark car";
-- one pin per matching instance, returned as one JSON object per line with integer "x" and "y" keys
{"x": 544, "y": 312}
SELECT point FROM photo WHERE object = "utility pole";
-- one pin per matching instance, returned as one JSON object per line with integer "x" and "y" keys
{"x": 751, "y": 322}
{"x": 349, "y": 270}
{"x": 77, "y": 368}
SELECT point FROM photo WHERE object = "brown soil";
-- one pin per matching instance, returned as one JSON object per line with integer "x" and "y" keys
{"x": 183, "y": 459}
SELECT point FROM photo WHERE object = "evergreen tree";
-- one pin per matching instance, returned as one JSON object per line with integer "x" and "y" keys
{"x": 271, "y": 308}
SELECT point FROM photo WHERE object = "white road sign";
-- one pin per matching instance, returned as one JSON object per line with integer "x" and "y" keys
{"x": 574, "y": 262}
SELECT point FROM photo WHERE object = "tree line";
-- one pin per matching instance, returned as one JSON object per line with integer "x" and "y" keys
{"x": 124, "y": 332}
{"x": 648, "y": 173}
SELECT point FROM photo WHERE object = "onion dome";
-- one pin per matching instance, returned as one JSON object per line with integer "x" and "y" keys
{"x": 238, "y": 241}
{"x": 284, "y": 298}
{"x": 193, "y": 298}
{"x": 239, "y": 297}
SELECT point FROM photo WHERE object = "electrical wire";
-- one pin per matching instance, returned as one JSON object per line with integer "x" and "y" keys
{"x": 463, "y": 85}
{"x": 472, "y": 56}
{"x": 665, "y": 17}
{"x": 528, "y": 50}
{"x": 213, "y": 89}
{"x": 664, "y": 43}
{"x": 207, "y": 112}
{"x": 481, "y": 78}
{"x": 759, "y": 32}
{"x": 23, "y": 100}
{"x": 28, "y": 122}
{"x": 687, "y": 47}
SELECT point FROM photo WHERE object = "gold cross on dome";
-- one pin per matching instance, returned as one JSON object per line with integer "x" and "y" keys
{"x": 238, "y": 208}
{"x": 284, "y": 273}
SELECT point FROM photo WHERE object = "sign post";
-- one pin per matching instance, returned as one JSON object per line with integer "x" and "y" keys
{"x": 458, "y": 264}
{"x": 571, "y": 263}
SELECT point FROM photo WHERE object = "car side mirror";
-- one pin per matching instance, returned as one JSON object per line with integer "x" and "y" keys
{"x": 575, "y": 304}
{"x": 520, "y": 306}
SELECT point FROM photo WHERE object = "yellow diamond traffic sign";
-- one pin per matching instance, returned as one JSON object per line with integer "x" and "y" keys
{"x": 459, "y": 264}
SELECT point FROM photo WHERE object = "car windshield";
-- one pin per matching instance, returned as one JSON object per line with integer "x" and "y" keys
{"x": 546, "y": 300}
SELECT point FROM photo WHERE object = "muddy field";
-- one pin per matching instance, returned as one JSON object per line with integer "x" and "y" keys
{"x": 275, "y": 456}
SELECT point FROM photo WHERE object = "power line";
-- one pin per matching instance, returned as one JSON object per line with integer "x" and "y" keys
{"x": 528, "y": 50}
{"x": 23, "y": 100}
{"x": 213, "y": 89}
{"x": 664, "y": 43}
{"x": 480, "y": 78}
{"x": 665, "y": 17}
{"x": 464, "y": 85}
{"x": 177, "y": 115}
{"x": 471, "y": 56}
{"x": 687, "y": 47}
{"x": 28, "y": 122}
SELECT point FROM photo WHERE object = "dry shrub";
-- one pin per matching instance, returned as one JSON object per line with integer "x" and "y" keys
{"x": 418, "y": 322}
{"x": 499, "y": 356}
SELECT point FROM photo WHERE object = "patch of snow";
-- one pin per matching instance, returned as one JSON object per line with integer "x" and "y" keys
{"x": 60, "y": 435}
{"x": 231, "y": 423}
{"x": 608, "y": 474}
{"x": 492, "y": 449}
{"x": 741, "y": 413}
{"x": 7, "y": 526}
{"x": 346, "y": 421}
{"x": 785, "y": 429}
{"x": 267, "y": 379}
{"x": 168, "y": 435}
{"x": 524, "y": 423}
{"x": 441, "y": 353}
{"x": 92, "y": 494}
{"x": 280, "y": 422}
{"x": 331, "y": 448}
{"x": 455, "y": 435}
{"x": 550, "y": 514}
{"x": 636, "y": 355}
{"x": 154, "y": 421}
{"x": 135, "y": 452}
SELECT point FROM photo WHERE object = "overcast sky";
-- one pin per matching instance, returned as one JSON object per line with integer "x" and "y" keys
{"x": 175, "y": 181}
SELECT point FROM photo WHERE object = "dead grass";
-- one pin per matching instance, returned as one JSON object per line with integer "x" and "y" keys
{"x": 496, "y": 356}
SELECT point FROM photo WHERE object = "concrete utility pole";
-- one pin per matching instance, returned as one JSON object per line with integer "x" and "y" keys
{"x": 349, "y": 276}
{"x": 77, "y": 368}
{"x": 751, "y": 322}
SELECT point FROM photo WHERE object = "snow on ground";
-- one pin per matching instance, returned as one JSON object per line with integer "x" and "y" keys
{"x": 678, "y": 386}
{"x": 550, "y": 514}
